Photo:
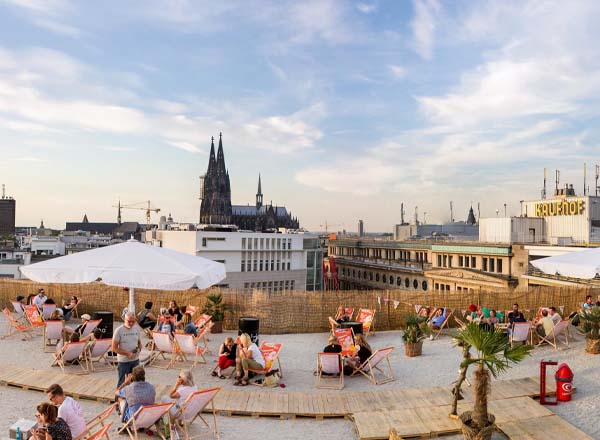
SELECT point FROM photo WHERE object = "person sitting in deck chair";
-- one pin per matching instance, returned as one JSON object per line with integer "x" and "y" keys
{"x": 146, "y": 318}
{"x": 437, "y": 320}
{"x": 167, "y": 325}
{"x": 49, "y": 425}
{"x": 362, "y": 352}
{"x": 68, "y": 409}
{"x": 184, "y": 386}
{"x": 134, "y": 393}
{"x": 333, "y": 345}
{"x": 555, "y": 317}
{"x": 67, "y": 308}
{"x": 340, "y": 317}
{"x": 545, "y": 325}
{"x": 589, "y": 302}
{"x": 249, "y": 357}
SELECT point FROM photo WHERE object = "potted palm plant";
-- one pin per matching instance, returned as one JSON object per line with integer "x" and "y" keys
{"x": 216, "y": 308}
{"x": 493, "y": 355}
{"x": 415, "y": 329}
{"x": 590, "y": 327}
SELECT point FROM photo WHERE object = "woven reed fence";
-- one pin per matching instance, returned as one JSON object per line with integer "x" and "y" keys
{"x": 300, "y": 311}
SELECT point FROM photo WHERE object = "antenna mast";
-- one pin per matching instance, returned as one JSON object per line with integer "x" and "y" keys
{"x": 402, "y": 211}
{"x": 597, "y": 175}
{"x": 584, "y": 178}
{"x": 544, "y": 189}
{"x": 557, "y": 180}
{"x": 451, "y": 213}
{"x": 478, "y": 213}
{"x": 416, "y": 216}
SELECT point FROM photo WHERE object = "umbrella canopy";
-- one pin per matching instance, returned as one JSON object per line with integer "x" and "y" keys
{"x": 581, "y": 264}
{"x": 130, "y": 264}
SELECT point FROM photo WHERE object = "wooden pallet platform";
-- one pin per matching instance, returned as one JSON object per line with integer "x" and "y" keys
{"x": 542, "y": 428}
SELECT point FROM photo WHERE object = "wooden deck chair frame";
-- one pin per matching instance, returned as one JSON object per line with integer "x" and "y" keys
{"x": 367, "y": 367}
{"x": 269, "y": 367}
{"x": 202, "y": 320}
{"x": 459, "y": 322}
{"x": 164, "y": 344}
{"x": 102, "y": 432}
{"x": 520, "y": 332}
{"x": 97, "y": 353}
{"x": 90, "y": 327}
{"x": 47, "y": 311}
{"x": 437, "y": 333}
{"x": 206, "y": 397}
{"x": 559, "y": 329}
{"x": 98, "y": 420}
{"x": 75, "y": 350}
{"x": 329, "y": 366}
{"x": 34, "y": 318}
{"x": 74, "y": 311}
{"x": 131, "y": 426}
{"x": 369, "y": 329}
{"x": 53, "y": 330}
{"x": 15, "y": 327}
{"x": 190, "y": 346}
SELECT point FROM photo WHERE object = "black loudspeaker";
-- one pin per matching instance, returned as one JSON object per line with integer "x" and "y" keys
{"x": 249, "y": 325}
{"x": 107, "y": 323}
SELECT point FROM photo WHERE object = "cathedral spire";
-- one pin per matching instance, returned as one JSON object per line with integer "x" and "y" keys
{"x": 118, "y": 213}
{"x": 471, "y": 217}
{"x": 212, "y": 162}
{"x": 259, "y": 195}
{"x": 221, "y": 156}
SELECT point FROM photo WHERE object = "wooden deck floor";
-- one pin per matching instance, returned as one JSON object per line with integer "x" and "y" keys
{"x": 542, "y": 428}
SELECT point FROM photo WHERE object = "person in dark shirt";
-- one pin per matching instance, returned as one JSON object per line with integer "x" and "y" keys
{"x": 333, "y": 346}
{"x": 362, "y": 352}
{"x": 174, "y": 310}
{"x": 516, "y": 315}
{"x": 49, "y": 425}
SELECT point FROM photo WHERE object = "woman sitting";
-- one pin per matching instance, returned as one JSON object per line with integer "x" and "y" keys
{"x": 489, "y": 323}
{"x": 50, "y": 427}
{"x": 227, "y": 355}
{"x": 362, "y": 352}
{"x": 189, "y": 328}
{"x": 249, "y": 357}
{"x": 134, "y": 393}
{"x": 184, "y": 386}
{"x": 67, "y": 309}
{"x": 340, "y": 317}
{"x": 174, "y": 310}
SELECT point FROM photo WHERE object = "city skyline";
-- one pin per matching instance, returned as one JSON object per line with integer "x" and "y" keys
{"x": 346, "y": 109}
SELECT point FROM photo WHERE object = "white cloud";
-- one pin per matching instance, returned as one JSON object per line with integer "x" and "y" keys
{"x": 424, "y": 25}
{"x": 57, "y": 27}
{"x": 186, "y": 146}
{"x": 366, "y": 8}
{"x": 40, "y": 6}
{"x": 397, "y": 71}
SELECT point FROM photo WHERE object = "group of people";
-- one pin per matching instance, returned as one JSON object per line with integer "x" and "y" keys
{"x": 362, "y": 352}
{"x": 244, "y": 356}
{"x": 170, "y": 320}
{"x": 60, "y": 419}
{"x": 65, "y": 312}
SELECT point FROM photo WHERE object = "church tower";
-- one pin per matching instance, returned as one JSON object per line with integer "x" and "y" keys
{"x": 216, "y": 197}
{"x": 259, "y": 196}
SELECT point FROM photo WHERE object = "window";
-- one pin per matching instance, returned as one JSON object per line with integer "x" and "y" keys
{"x": 262, "y": 243}
{"x": 377, "y": 277}
{"x": 467, "y": 259}
{"x": 391, "y": 280}
{"x": 243, "y": 265}
{"x": 406, "y": 283}
{"x": 399, "y": 282}
{"x": 415, "y": 284}
{"x": 473, "y": 262}
{"x": 249, "y": 243}
{"x": 273, "y": 265}
{"x": 288, "y": 265}
{"x": 255, "y": 265}
{"x": 460, "y": 261}
{"x": 365, "y": 274}
{"x": 203, "y": 241}
{"x": 353, "y": 273}
{"x": 445, "y": 260}
{"x": 450, "y": 261}
{"x": 424, "y": 285}
{"x": 492, "y": 265}
{"x": 243, "y": 243}
{"x": 260, "y": 265}
{"x": 370, "y": 276}
{"x": 384, "y": 278}
{"x": 289, "y": 243}
{"x": 484, "y": 266}
{"x": 359, "y": 274}
{"x": 499, "y": 265}
{"x": 439, "y": 263}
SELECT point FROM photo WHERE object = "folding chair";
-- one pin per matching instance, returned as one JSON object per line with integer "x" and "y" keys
{"x": 68, "y": 353}
{"x": 202, "y": 320}
{"x": 15, "y": 326}
{"x": 95, "y": 422}
{"x": 192, "y": 409}
{"x": 557, "y": 330}
{"x": 188, "y": 346}
{"x": 191, "y": 310}
{"x": 33, "y": 316}
{"x": 270, "y": 352}
{"x": 102, "y": 432}
{"x": 435, "y": 333}
{"x": 98, "y": 353}
{"x": 53, "y": 331}
{"x": 74, "y": 311}
{"x": 47, "y": 310}
{"x": 345, "y": 337}
{"x": 345, "y": 311}
{"x": 366, "y": 317}
{"x": 329, "y": 365}
{"x": 18, "y": 310}
{"x": 90, "y": 327}
{"x": 146, "y": 417}
{"x": 164, "y": 344}
{"x": 367, "y": 368}
{"x": 459, "y": 322}
{"x": 520, "y": 332}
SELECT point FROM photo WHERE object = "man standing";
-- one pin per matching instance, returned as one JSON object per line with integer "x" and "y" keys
{"x": 68, "y": 410}
{"x": 40, "y": 298}
{"x": 127, "y": 343}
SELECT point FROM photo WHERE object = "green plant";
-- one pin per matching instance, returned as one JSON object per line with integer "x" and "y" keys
{"x": 215, "y": 306}
{"x": 590, "y": 327}
{"x": 494, "y": 355}
{"x": 415, "y": 328}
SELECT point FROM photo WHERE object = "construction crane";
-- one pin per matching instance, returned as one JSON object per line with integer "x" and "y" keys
{"x": 148, "y": 208}
{"x": 327, "y": 225}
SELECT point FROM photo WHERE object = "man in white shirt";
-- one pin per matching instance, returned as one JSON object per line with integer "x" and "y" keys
{"x": 40, "y": 299}
{"x": 68, "y": 409}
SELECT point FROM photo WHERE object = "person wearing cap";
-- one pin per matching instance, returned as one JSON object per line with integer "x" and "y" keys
{"x": 40, "y": 298}
{"x": 20, "y": 299}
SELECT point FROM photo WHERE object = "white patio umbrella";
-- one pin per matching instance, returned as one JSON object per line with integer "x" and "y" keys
{"x": 131, "y": 264}
{"x": 580, "y": 264}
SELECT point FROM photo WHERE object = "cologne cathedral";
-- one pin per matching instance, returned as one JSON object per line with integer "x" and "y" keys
{"x": 216, "y": 207}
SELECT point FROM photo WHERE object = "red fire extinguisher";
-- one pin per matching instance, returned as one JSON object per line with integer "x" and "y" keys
{"x": 564, "y": 383}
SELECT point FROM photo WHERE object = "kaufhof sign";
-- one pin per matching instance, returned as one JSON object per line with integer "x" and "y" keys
{"x": 559, "y": 207}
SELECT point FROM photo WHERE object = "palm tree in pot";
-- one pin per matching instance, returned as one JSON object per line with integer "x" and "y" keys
{"x": 215, "y": 307}
{"x": 590, "y": 327}
{"x": 415, "y": 329}
{"x": 493, "y": 355}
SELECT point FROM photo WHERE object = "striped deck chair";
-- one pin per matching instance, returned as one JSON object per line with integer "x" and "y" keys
{"x": 33, "y": 316}
{"x": 15, "y": 327}
{"x": 47, "y": 310}
{"x": 90, "y": 327}
{"x": 371, "y": 365}
{"x": 53, "y": 331}
{"x": 192, "y": 409}
{"x": 102, "y": 432}
{"x": 558, "y": 330}
{"x": 519, "y": 333}
{"x": 97, "y": 353}
{"x": 345, "y": 337}
{"x": 145, "y": 417}
{"x": 163, "y": 344}
{"x": 98, "y": 420}
{"x": 72, "y": 351}
{"x": 20, "y": 313}
{"x": 189, "y": 347}
{"x": 270, "y": 352}
{"x": 329, "y": 366}
{"x": 437, "y": 332}
{"x": 367, "y": 317}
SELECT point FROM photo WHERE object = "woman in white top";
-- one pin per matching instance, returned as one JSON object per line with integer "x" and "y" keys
{"x": 249, "y": 357}
{"x": 184, "y": 386}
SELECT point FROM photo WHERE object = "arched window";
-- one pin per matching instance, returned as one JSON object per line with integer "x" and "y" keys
{"x": 415, "y": 284}
{"x": 407, "y": 283}
{"x": 370, "y": 276}
{"x": 399, "y": 281}
{"x": 424, "y": 285}
{"x": 391, "y": 280}
{"x": 384, "y": 278}
{"x": 353, "y": 273}
{"x": 377, "y": 277}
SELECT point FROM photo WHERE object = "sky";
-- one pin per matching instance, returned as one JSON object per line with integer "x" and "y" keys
{"x": 346, "y": 108}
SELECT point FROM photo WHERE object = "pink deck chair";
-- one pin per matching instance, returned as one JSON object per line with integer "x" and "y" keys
{"x": 47, "y": 310}
{"x": 202, "y": 320}
{"x": 15, "y": 327}
{"x": 366, "y": 317}
{"x": 90, "y": 327}
{"x": 163, "y": 344}
{"x": 53, "y": 331}
{"x": 145, "y": 417}
{"x": 371, "y": 365}
{"x": 192, "y": 409}
{"x": 343, "y": 311}
{"x": 98, "y": 420}
{"x": 437, "y": 332}
{"x": 559, "y": 329}
{"x": 329, "y": 368}
{"x": 270, "y": 352}
{"x": 70, "y": 352}
{"x": 520, "y": 332}
{"x": 97, "y": 353}
{"x": 345, "y": 337}
{"x": 188, "y": 347}
{"x": 33, "y": 316}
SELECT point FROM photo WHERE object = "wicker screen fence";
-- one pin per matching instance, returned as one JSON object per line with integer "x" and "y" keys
{"x": 300, "y": 311}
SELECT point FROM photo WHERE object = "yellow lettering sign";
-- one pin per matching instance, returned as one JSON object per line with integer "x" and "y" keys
{"x": 559, "y": 207}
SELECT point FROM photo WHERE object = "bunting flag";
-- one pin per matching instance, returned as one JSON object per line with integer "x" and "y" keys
{"x": 417, "y": 308}
{"x": 396, "y": 304}
{"x": 562, "y": 309}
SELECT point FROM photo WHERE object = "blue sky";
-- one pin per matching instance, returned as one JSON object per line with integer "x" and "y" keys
{"x": 346, "y": 108}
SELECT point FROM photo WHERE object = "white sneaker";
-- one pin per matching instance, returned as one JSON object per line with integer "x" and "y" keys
{"x": 431, "y": 337}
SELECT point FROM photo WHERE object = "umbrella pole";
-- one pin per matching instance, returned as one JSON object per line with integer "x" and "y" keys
{"x": 131, "y": 300}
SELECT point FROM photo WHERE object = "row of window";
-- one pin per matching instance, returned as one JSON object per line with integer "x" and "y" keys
{"x": 384, "y": 278}
{"x": 205, "y": 240}
{"x": 272, "y": 286}
{"x": 488, "y": 264}
{"x": 264, "y": 265}
{"x": 266, "y": 243}
{"x": 387, "y": 254}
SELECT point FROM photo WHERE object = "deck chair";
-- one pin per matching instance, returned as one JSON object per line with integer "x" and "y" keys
{"x": 188, "y": 347}
{"x": 371, "y": 365}
{"x": 74, "y": 311}
{"x": 102, "y": 432}
{"x": 192, "y": 409}
{"x": 163, "y": 344}
{"x": 90, "y": 327}
{"x": 462, "y": 324}
{"x": 345, "y": 311}
{"x": 97, "y": 353}
{"x": 145, "y": 417}
{"x": 558, "y": 330}
{"x": 53, "y": 331}
{"x": 270, "y": 352}
{"x": 203, "y": 320}
{"x": 345, "y": 337}
{"x": 329, "y": 366}
{"x": 93, "y": 424}
{"x": 72, "y": 351}
{"x": 18, "y": 310}
{"x": 436, "y": 333}
{"x": 33, "y": 316}
{"x": 191, "y": 310}
{"x": 366, "y": 317}
{"x": 47, "y": 310}
{"x": 520, "y": 332}
{"x": 15, "y": 327}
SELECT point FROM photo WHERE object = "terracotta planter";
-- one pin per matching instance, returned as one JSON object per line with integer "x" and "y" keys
{"x": 472, "y": 433}
{"x": 217, "y": 327}
{"x": 413, "y": 349}
{"x": 592, "y": 346}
